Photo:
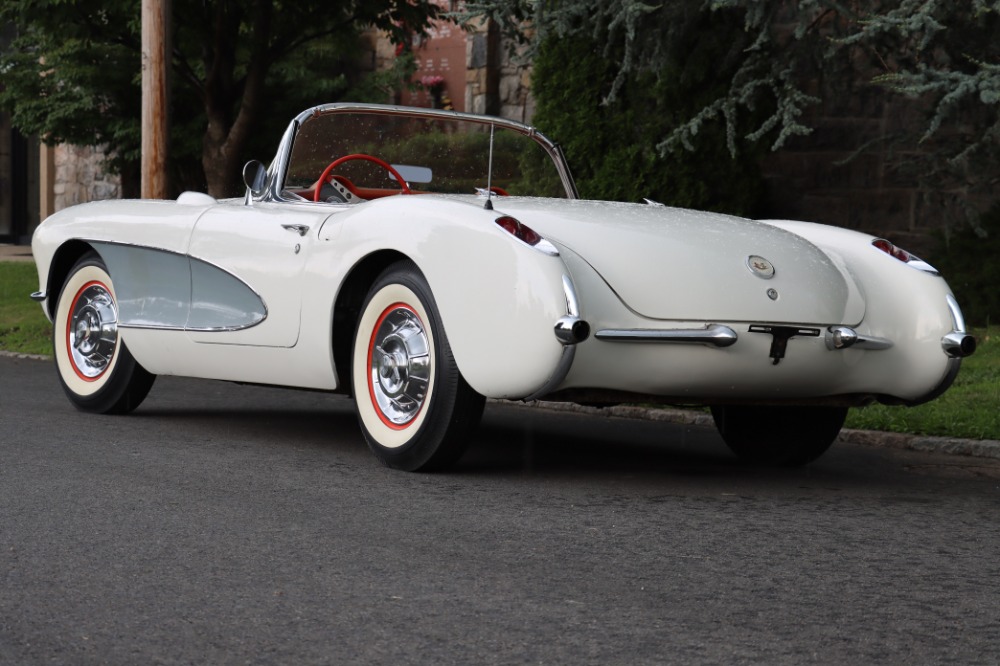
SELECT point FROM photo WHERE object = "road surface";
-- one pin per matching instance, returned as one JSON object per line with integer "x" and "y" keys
{"x": 225, "y": 524}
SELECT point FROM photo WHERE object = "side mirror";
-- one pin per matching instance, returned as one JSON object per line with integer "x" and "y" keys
{"x": 255, "y": 177}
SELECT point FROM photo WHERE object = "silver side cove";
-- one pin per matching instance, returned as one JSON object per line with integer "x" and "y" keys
{"x": 166, "y": 290}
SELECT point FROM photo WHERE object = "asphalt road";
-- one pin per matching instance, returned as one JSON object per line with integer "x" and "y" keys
{"x": 222, "y": 524}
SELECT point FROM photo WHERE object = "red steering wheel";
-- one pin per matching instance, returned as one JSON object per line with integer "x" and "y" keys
{"x": 358, "y": 156}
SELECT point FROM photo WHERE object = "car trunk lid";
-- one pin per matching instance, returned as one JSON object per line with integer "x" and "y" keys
{"x": 682, "y": 265}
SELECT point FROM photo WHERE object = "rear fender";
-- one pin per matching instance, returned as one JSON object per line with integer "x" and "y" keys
{"x": 499, "y": 299}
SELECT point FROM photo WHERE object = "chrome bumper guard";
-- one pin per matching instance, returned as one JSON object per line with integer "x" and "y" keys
{"x": 844, "y": 337}
{"x": 714, "y": 335}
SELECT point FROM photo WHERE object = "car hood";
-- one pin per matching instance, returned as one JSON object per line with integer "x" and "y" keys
{"x": 670, "y": 263}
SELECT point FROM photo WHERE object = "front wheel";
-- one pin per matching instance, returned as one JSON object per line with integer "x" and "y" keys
{"x": 95, "y": 367}
{"x": 786, "y": 436}
{"x": 415, "y": 408}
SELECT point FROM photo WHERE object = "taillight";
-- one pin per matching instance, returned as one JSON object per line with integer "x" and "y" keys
{"x": 525, "y": 234}
{"x": 904, "y": 256}
{"x": 522, "y": 232}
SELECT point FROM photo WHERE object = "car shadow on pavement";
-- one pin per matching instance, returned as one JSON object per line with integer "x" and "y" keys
{"x": 511, "y": 439}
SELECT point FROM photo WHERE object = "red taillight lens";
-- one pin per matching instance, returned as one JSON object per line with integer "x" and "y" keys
{"x": 519, "y": 231}
{"x": 892, "y": 250}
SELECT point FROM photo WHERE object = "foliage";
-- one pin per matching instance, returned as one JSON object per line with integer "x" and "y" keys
{"x": 610, "y": 142}
{"x": 967, "y": 258}
{"x": 779, "y": 59}
{"x": 72, "y": 72}
{"x": 62, "y": 83}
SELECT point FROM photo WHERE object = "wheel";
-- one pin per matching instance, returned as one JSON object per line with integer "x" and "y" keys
{"x": 787, "y": 436}
{"x": 415, "y": 409}
{"x": 95, "y": 367}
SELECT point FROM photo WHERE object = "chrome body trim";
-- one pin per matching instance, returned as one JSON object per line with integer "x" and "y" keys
{"x": 558, "y": 375}
{"x": 300, "y": 229}
{"x": 545, "y": 247}
{"x": 957, "y": 344}
{"x": 713, "y": 335}
{"x": 569, "y": 348}
{"x": 572, "y": 301}
{"x": 956, "y": 313}
{"x": 38, "y": 296}
{"x": 844, "y": 337}
{"x": 923, "y": 266}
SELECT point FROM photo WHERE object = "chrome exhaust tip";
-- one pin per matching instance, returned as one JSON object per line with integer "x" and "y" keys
{"x": 572, "y": 330}
{"x": 958, "y": 344}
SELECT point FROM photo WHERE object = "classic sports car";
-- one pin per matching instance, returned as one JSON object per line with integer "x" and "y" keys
{"x": 423, "y": 260}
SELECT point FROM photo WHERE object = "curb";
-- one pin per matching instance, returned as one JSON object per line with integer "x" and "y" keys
{"x": 974, "y": 448}
{"x": 33, "y": 357}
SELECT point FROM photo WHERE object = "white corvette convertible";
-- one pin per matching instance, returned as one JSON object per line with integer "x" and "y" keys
{"x": 422, "y": 260}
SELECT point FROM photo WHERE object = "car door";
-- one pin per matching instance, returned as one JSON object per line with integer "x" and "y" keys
{"x": 264, "y": 246}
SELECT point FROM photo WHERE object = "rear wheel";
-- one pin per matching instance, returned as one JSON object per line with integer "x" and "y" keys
{"x": 415, "y": 409}
{"x": 95, "y": 367}
{"x": 788, "y": 436}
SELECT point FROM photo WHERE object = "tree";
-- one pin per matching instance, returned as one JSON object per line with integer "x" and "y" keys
{"x": 781, "y": 57}
{"x": 612, "y": 145}
{"x": 72, "y": 72}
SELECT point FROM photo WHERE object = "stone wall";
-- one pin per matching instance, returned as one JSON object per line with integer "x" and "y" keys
{"x": 823, "y": 177}
{"x": 498, "y": 77}
{"x": 80, "y": 176}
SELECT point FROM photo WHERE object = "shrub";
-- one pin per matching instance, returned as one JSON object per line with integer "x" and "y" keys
{"x": 612, "y": 147}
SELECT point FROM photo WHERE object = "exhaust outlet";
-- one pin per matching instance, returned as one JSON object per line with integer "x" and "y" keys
{"x": 571, "y": 330}
{"x": 958, "y": 344}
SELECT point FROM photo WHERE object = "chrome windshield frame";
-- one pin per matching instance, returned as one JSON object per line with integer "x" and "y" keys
{"x": 278, "y": 168}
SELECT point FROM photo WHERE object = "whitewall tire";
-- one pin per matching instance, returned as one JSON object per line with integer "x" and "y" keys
{"x": 95, "y": 368}
{"x": 414, "y": 407}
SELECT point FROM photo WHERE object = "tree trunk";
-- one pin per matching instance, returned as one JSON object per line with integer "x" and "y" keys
{"x": 219, "y": 158}
{"x": 224, "y": 140}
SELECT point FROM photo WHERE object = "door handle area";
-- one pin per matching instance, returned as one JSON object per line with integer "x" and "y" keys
{"x": 300, "y": 229}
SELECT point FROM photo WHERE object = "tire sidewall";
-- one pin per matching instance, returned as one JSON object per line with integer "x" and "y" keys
{"x": 393, "y": 290}
{"x": 123, "y": 384}
{"x": 88, "y": 271}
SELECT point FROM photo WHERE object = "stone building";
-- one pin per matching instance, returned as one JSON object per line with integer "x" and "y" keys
{"x": 37, "y": 180}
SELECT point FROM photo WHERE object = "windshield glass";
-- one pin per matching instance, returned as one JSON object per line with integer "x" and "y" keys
{"x": 431, "y": 154}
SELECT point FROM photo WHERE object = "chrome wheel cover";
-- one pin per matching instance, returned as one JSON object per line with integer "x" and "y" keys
{"x": 399, "y": 365}
{"x": 92, "y": 330}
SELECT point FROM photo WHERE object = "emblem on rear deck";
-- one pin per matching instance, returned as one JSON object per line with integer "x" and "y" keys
{"x": 760, "y": 266}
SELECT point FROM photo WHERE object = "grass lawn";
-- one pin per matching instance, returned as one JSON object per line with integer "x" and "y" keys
{"x": 23, "y": 326}
{"x": 970, "y": 409}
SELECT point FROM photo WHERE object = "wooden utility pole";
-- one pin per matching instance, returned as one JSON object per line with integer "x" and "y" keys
{"x": 155, "y": 130}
